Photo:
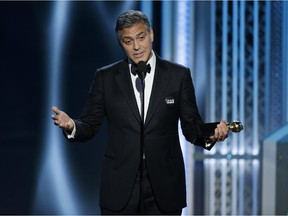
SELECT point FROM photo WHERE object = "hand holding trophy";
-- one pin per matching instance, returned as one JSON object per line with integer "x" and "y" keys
{"x": 207, "y": 129}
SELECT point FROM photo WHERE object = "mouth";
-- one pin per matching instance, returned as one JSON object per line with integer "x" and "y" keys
{"x": 138, "y": 55}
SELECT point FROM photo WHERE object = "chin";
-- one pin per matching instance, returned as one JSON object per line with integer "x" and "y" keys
{"x": 140, "y": 59}
{"x": 137, "y": 60}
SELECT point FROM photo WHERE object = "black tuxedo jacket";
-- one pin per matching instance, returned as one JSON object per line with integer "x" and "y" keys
{"x": 172, "y": 98}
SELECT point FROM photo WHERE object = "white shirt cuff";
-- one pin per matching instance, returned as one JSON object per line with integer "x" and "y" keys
{"x": 72, "y": 134}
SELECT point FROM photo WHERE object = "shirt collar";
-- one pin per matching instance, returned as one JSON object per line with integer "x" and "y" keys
{"x": 152, "y": 60}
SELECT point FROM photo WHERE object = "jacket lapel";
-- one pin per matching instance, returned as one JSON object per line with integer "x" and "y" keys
{"x": 160, "y": 84}
{"x": 123, "y": 79}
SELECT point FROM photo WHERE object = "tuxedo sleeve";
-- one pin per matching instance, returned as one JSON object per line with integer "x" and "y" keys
{"x": 91, "y": 117}
{"x": 189, "y": 114}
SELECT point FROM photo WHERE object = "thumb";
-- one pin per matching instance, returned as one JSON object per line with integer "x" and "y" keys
{"x": 224, "y": 121}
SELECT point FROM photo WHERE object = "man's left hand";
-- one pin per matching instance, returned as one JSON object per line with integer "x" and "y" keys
{"x": 221, "y": 132}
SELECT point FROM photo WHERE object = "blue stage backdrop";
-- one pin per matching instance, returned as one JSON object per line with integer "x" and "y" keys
{"x": 49, "y": 52}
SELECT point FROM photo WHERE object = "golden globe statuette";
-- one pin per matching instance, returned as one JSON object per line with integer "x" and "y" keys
{"x": 235, "y": 126}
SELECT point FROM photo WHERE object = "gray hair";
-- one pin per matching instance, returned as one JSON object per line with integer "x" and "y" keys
{"x": 129, "y": 19}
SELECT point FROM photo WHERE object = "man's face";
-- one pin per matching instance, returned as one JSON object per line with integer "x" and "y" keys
{"x": 137, "y": 42}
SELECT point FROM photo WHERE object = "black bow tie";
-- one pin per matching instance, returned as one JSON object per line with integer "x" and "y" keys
{"x": 134, "y": 69}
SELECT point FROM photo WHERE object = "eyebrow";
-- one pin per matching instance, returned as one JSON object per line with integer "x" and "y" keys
{"x": 128, "y": 37}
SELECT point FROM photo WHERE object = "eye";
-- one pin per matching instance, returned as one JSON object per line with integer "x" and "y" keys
{"x": 127, "y": 42}
{"x": 141, "y": 37}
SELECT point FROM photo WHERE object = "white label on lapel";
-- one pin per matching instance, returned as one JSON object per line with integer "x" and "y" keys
{"x": 169, "y": 100}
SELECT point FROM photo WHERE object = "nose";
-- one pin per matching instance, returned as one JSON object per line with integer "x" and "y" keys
{"x": 136, "y": 46}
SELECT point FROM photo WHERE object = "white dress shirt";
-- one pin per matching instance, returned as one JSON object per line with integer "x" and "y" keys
{"x": 148, "y": 83}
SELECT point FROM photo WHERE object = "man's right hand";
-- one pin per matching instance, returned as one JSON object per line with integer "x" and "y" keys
{"x": 62, "y": 119}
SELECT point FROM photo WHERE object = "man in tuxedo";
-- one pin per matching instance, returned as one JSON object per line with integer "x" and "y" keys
{"x": 143, "y": 168}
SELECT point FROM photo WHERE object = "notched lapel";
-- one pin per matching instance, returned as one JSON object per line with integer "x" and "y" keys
{"x": 123, "y": 79}
{"x": 160, "y": 84}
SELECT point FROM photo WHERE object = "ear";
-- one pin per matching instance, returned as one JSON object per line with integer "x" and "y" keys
{"x": 151, "y": 34}
{"x": 120, "y": 44}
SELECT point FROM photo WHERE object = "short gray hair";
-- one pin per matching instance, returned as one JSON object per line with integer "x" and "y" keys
{"x": 129, "y": 19}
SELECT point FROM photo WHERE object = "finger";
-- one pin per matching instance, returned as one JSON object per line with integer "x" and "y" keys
{"x": 216, "y": 134}
{"x": 224, "y": 133}
{"x": 225, "y": 127}
{"x": 221, "y": 135}
{"x": 57, "y": 123}
{"x": 225, "y": 130}
{"x": 54, "y": 117}
{"x": 218, "y": 131}
{"x": 56, "y": 110}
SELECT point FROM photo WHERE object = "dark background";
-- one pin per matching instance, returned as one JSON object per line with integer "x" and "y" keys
{"x": 24, "y": 61}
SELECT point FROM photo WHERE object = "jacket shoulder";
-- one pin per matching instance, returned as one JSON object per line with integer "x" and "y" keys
{"x": 112, "y": 67}
{"x": 172, "y": 66}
